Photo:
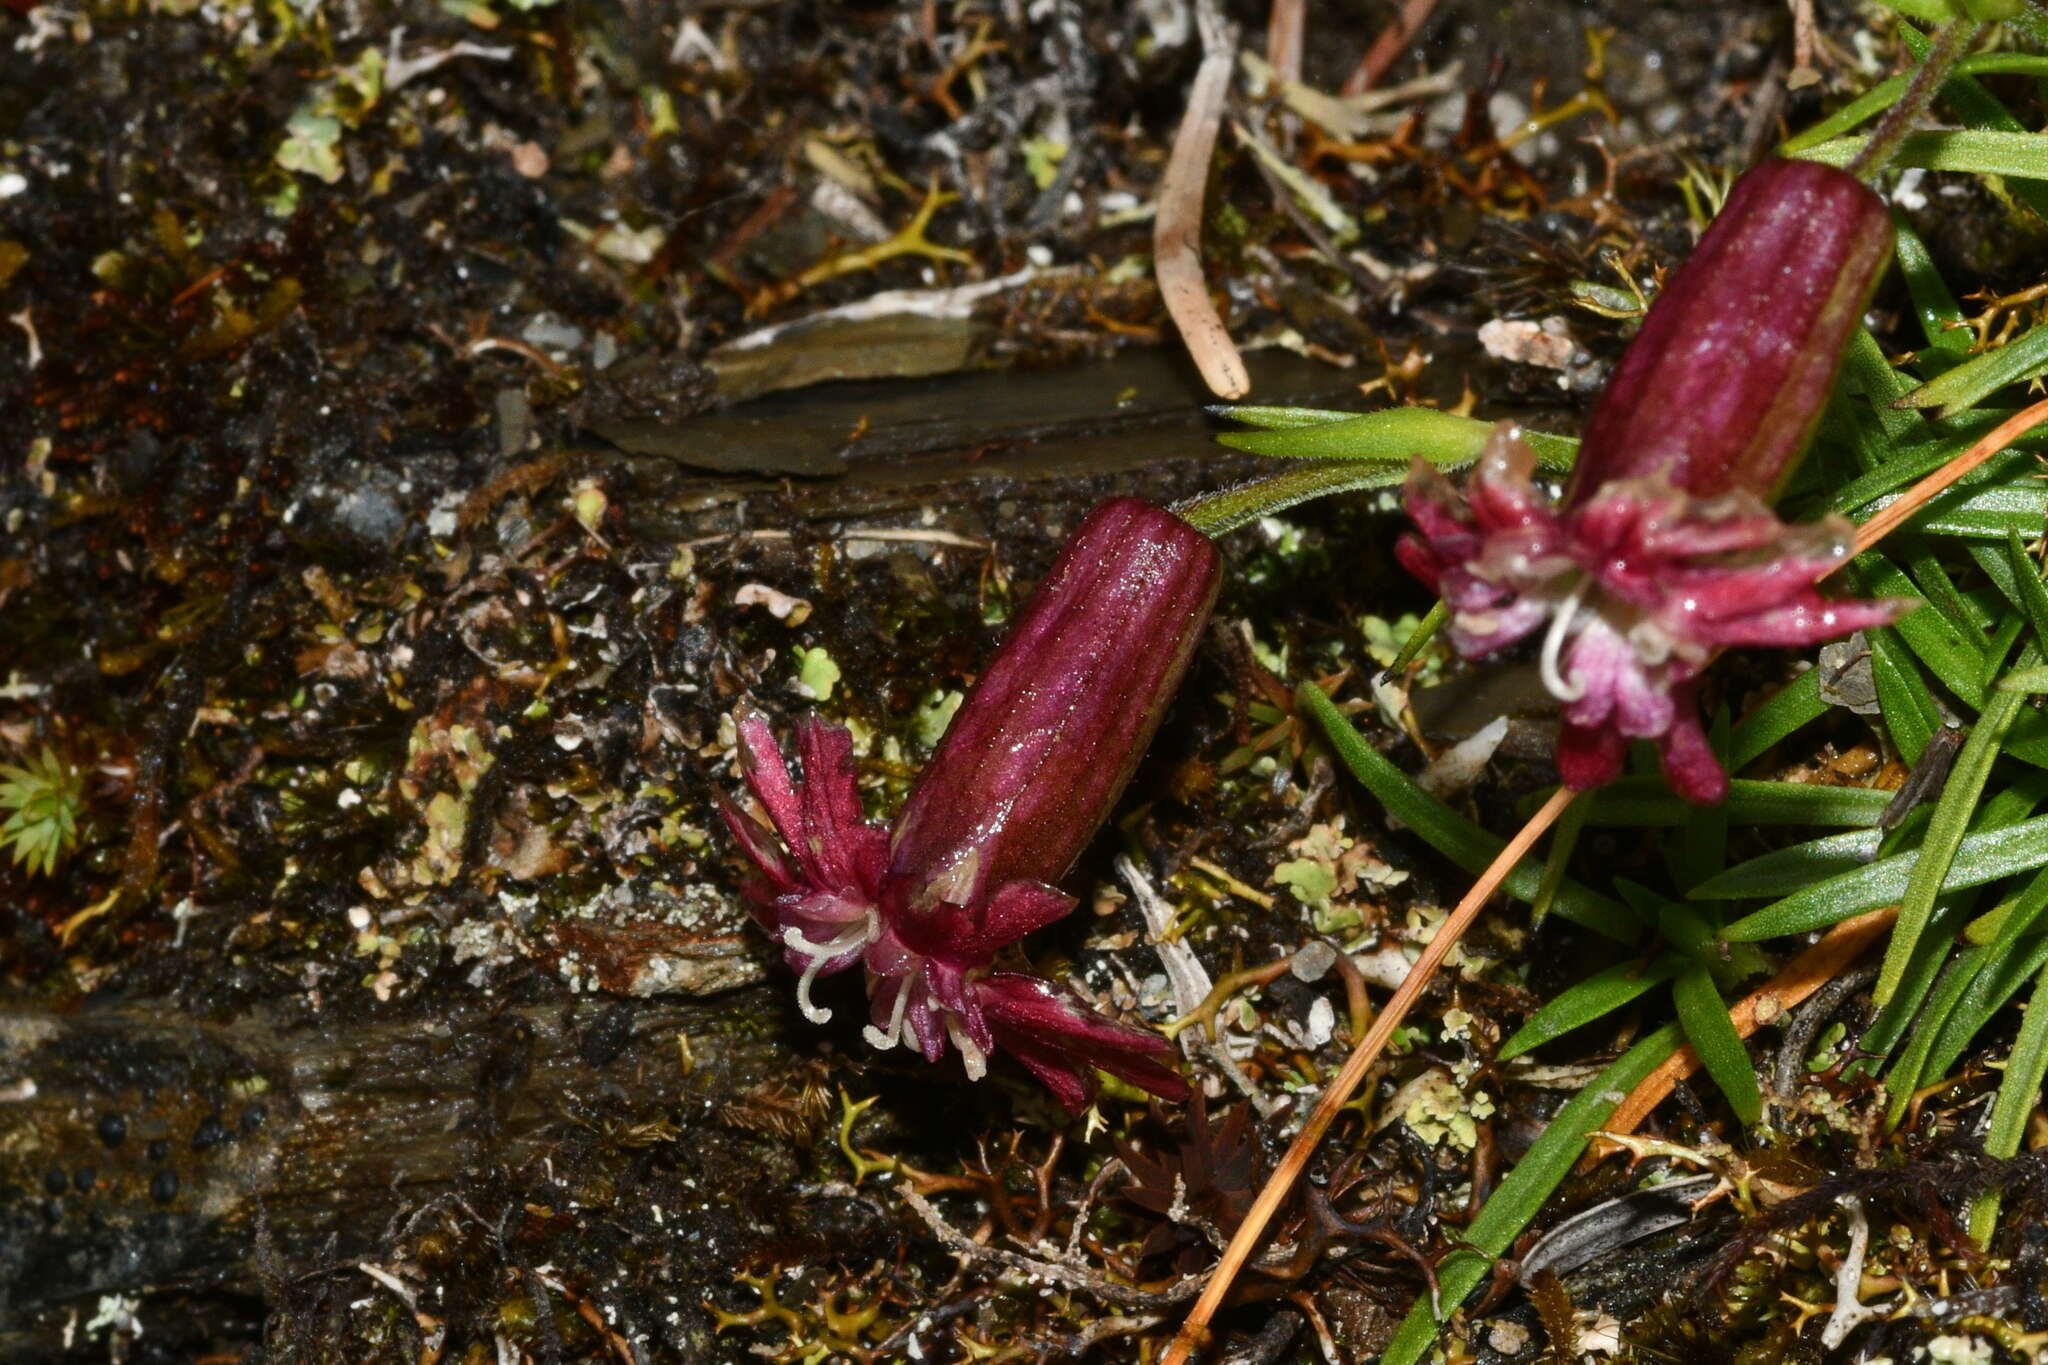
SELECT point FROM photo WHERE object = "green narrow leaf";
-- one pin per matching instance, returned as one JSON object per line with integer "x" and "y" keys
{"x": 2018, "y": 1092}
{"x": 1979, "y": 151}
{"x": 1563, "y": 840}
{"x": 1704, "y": 1016}
{"x": 1975, "y": 106}
{"x": 1785, "y": 870}
{"x": 1944, "y": 836}
{"x": 1977, "y": 378}
{"x": 1229, "y": 509}
{"x": 1419, "y": 638}
{"x": 1968, "y": 617}
{"x": 1937, "y": 641}
{"x": 2033, "y": 594}
{"x": 1906, "y": 464}
{"x": 2029, "y": 680}
{"x": 2006, "y": 969}
{"x": 1599, "y": 994}
{"x": 1647, "y": 802}
{"x": 1884, "y": 94}
{"x": 1985, "y": 513}
{"x": 1979, "y": 859}
{"x": 1940, "y": 315}
{"x": 1883, "y": 385}
{"x": 1791, "y": 706}
{"x": 1885, "y": 1030}
{"x": 1270, "y": 418}
{"x": 1912, "y": 1063}
{"x": 1522, "y": 1195}
{"x": 1902, "y": 694}
{"x": 1450, "y": 833}
{"x": 2013, "y": 915}
{"x": 1393, "y": 436}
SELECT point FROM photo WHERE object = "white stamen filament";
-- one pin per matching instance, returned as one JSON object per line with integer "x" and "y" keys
{"x": 1561, "y": 623}
{"x": 975, "y": 1060}
{"x": 857, "y": 935}
{"x": 884, "y": 1041}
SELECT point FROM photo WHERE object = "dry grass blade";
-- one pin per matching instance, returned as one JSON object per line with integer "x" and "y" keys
{"x": 1801, "y": 977}
{"x": 1916, "y": 497}
{"x": 1177, "y": 231}
{"x": 1347, "y": 1081}
{"x": 1386, "y": 49}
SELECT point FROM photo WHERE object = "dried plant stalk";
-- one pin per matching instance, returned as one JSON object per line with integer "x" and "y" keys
{"x": 1177, "y": 231}
{"x": 1339, "y": 1092}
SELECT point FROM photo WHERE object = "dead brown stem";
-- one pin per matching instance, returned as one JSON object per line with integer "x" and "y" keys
{"x": 1340, "y": 1090}
{"x": 1177, "y": 231}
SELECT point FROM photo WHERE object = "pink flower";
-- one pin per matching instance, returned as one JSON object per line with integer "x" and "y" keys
{"x": 1662, "y": 550}
{"x": 1032, "y": 763}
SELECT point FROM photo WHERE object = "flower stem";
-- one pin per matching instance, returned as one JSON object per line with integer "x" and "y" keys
{"x": 1418, "y": 640}
{"x": 1339, "y": 1091}
{"x": 1955, "y": 39}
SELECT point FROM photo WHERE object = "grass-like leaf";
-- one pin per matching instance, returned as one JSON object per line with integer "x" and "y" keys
{"x": 1977, "y": 378}
{"x": 1647, "y": 802}
{"x": 1230, "y": 509}
{"x": 1704, "y": 1016}
{"x": 1944, "y": 835}
{"x": 1599, "y": 994}
{"x": 1985, "y": 513}
{"x": 1937, "y": 641}
{"x": 1913, "y": 1062}
{"x": 1881, "y": 96}
{"x": 1269, "y": 417}
{"x": 1522, "y": 1195}
{"x": 1450, "y": 833}
{"x": 1393, "y": 436}
{"x": 1999, "y": 975}
{"x": 1978, "y": 859}
{"x": 1977, "y": 108}
{"x": 1564, "y": 840}
{"x": 1902, "y": 694}
{"x": 1941, "y": 317}
{"x": 1979, "y": 151}
{"x": 1785, "y": 870}
{"x": 1797, "y": 703}
{"x": 2032, "y": 593}
{"x": 1860, "y": 497}
{"x": 2018, "y": 1092}
{"x": 1890, "y": 1024}
{"x": 2013, "y": 915}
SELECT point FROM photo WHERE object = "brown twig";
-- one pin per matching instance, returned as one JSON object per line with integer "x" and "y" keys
{"x": 1340, "y": 1090}
{"x": 1386, "y": 49}
{"x": 1177, "y": 230}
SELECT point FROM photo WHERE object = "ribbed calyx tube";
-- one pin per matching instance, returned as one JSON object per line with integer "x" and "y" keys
{"x": 1048, "y": 737}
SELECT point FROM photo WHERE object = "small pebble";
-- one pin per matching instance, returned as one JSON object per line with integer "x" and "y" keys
{"x": 163, "y": 1186}
{"x": 113, "y": 1129}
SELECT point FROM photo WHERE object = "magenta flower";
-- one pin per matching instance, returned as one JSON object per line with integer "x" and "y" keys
{"x": 1662, "y": 549}
{"x": 1032, "y": 763}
